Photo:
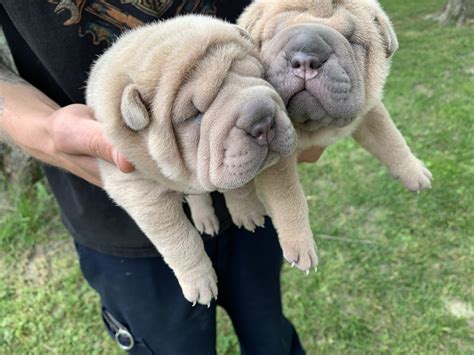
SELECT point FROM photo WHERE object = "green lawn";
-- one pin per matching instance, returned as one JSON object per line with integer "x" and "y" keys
{"x": 397, "y": 269}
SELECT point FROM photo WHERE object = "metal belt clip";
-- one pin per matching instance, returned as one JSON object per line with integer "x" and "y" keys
{"x": 123, "y": 337}
{"x": 124, "y": 334}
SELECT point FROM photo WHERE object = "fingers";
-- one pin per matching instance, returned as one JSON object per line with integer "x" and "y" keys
{"x": 75, "y": 132}
{"x": 85, "y": 167}
{"x": 123, "y": 164}
{"x": 84, "y": 137}
{"x": 98, "y": 146}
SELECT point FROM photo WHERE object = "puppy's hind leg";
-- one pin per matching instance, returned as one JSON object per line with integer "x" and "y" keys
{"x": 245, "y": 208}
{"x": 202, "y": 213}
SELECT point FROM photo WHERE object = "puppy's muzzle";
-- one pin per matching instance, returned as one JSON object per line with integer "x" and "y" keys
{"x": 257, "y": 119}
{"x": 317, "y": 75}
{"x": 307, "y": 52}
{"x": 263, "y": 131}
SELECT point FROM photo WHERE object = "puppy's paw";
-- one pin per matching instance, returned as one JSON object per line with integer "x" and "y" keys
{"x": 245, "y": 207}
{"x": 301, "y": 253}
{"x": 202, "y": 214}
{"x": 250, "y": 220}
{"x": 200, "y": 290}
{"x": 414, "y": 175}
{"x": 249, "y": 213}
{"x": 206, "y": 223}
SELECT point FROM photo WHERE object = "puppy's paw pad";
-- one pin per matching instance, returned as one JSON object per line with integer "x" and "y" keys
{"x": 301, "y": 254}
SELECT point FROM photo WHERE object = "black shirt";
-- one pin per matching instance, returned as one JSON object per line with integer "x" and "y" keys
{"x": 53, "y": 44}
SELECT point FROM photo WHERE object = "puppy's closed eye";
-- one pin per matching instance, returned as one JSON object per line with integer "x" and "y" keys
{"x": 197, "y": 117}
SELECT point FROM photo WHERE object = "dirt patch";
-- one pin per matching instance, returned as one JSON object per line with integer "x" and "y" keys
{"x": 469, "y": 71}
{"x": 424, "y": 90}
{"x": 460, "y": 309}
{"x": 37, "y": 264}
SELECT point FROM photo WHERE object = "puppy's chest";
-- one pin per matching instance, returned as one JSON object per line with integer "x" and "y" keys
{"x": 325, "y": 136}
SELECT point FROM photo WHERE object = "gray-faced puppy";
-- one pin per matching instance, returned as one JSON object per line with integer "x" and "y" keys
{"x": 185, "y": 101}
{"x": 328, "y": 59}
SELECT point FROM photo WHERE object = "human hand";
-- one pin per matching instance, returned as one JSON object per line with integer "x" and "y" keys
{"x": 69, "y": 137}
{"x": 310, "y": 155}
{"x": 78, "y": 141}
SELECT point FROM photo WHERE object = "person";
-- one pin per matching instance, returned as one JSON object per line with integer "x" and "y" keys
{"x": 53, "y": 44}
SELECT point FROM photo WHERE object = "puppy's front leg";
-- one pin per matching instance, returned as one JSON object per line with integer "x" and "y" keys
{"x": 379, "y": 136}
{"x": 159, "y": 214}
{"x": 281, "y": 192}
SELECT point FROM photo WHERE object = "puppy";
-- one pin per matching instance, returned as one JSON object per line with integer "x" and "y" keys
{"x": 328, "y": 59}
{"x": 185, "y": 101}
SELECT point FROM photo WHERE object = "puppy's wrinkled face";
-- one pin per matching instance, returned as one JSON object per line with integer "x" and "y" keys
{"x": 229, "y": 123}
{"x": 213, "y": 122}
{"x": 327, "y": 59}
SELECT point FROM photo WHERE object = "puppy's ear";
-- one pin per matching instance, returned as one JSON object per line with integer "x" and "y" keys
{"x": 388, "y": 33}
{"x": 243, "y": 33}
{"x": 251, "y": 20}
{"x": 134, "y": 111}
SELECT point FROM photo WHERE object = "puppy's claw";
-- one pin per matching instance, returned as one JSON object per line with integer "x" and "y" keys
{"x": 207, "y": 224}
{"x": 202, "y": 289}
{"x": 249, "y": 221}
{"x": 209, "y": 305}
{"x": 315, "y": 269}
{"x": 293, "y": 264}
{"x": 307, "y": 272}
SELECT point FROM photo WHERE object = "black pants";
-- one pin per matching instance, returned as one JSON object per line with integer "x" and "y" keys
{"x": 142, "y": 295}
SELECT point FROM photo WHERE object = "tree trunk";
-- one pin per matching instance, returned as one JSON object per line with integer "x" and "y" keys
{"x": 19, "y": 168}
{"x": 459, "y": 11}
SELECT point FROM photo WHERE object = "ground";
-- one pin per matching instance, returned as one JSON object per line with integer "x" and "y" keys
{"x": 396, "y": 272}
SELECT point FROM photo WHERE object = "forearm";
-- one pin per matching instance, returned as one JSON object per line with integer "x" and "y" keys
{"x": 68, "y": 137}
{"x": 23, "y": 114}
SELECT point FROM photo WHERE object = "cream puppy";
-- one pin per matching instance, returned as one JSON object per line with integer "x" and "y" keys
{"x": 185, "y": 101}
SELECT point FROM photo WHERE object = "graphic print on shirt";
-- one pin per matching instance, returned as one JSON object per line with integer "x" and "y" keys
{"x": 104, "y": 20}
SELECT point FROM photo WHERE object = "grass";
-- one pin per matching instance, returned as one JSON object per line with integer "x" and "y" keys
{"x": 397, "y": 270}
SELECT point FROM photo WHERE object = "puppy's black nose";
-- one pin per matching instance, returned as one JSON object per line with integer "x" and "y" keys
{"x": 263, "y": 130}
{"x": 305, "y": 66}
